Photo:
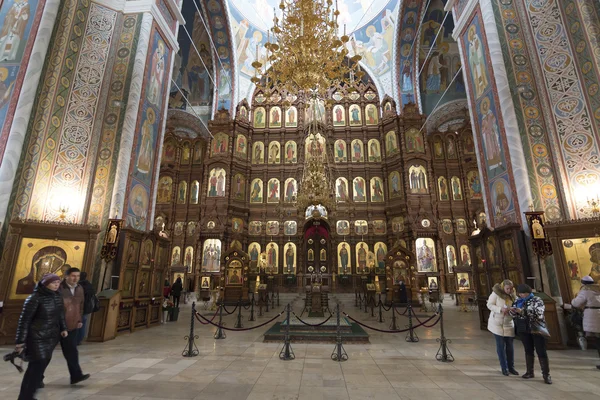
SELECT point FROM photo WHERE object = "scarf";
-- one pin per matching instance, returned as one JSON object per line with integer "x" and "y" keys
{"x": 520, "y": 301}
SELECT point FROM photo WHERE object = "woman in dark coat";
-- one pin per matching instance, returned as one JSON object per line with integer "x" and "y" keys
{"x": 40, "y": 327}
{"x": 176, "y": 290}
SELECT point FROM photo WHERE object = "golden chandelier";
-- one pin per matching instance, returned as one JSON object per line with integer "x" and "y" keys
{"x": 304, "y": 52}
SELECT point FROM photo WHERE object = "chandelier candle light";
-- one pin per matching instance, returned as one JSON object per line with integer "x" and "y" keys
{"x": 305, "y": 52}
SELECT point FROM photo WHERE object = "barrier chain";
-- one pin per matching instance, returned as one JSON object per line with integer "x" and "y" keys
{"x": 307, "y": 324}
{"x": 339, "y": 354}
{"x": 287, "y": 353}
{"x": 192, "y": 349}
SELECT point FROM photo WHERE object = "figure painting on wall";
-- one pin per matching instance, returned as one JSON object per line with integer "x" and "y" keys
{"x": 191, "y": 228}
{"x": 414, "y": 141}
{"x": 274, "y": 153}
{"x": 275, "y": 117}
{"x": 241, "y": 144}
{"x": 258, "y": 153}
{"x": 357, "y": 151}
{"x": 254, "y": 251}
{"x": 474, "y": 185}
{"x": 13, "y": 35}
{"x": 376, "y": 190}
{"x": 426, "y": 255}
{"x": 394, "y": 184}
{"x": 315, "y": 110}
{"x": 290, "y": 190}
{"x": 397, "y": 224}
{"x": 469, "y": 146}
{"x": 239, "y": 187}
{"x": 189, "y": 259}
{"x": 451, "y": 258}
{"x": 157, "y": 72}
{"x": 509, "y": 252}
{"x": 477, "y": 60}
{"x": 456, "y": 190}
{"x": 219, "y": 144}
{"x": 165, "y": 188}
{"x": 216, "y": 183}
{"x": 289, "y": 252}
{"x": 465, "y": 255}
{"x": 344, "y": 265}
{"x": 315, "y": 146}
{"x": 234, "y": 275}
{"x": 259, "y": 117}
{"x": 374, "y": 150}
{"x": 273, "y": 191}
{"x": 237, "y": 225}
{"x": 256, "y": 195}
{"x": 501, "y": 195}
{"x": 146, "y": 152}
{"x": 341, "y": 189}
{"x": 359, "y": 190}
{"x": 418, "y": 179}
{"x": 182, "y": 192}
{"x": 451, "y": 148}
{"x": 194, "y": 192}
{"x": 463, "y": 281}
{"x": 340, "y": 151}
{"x": 197, "y": 157}
{"x": 272, "y": 258}
{"x": 272, "y": 228}
{"x": 372, "y": 114}
{"x": 438, "y": 150}
{"x": 491, "y": 138}
{"x": 361, "y": 258}
{"x": 255, "y": 228}
{"x": 175, "y": 255}
{"x": 407, "y": 84}
{"x": 361, "y": 227}
{"x": 168, "y": 155}
{"x": 211, "y": 255}
{"x": 391, "y": 143}
{"x": 355, "y": 117}
{"x": 339, "y": 115}
{"x": 380, "y": 252}
{"x": 461, "y": 226}
{"x": 443, "y": 188}
{"x": 291, "y": 117}
{"x": 290, "y": 228}
{"x": 343, "y": 228}
{"x": 323, "y": 255}
{"x": 290, "y": 152}
{"x": 185, "y": 154}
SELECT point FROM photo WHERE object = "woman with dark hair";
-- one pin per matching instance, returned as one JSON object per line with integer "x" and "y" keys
{"x": 588, "y": 298}
{"x": 528, "y": 311}
{"x": 176, "y": 290}
{"x": 40, "y": 327}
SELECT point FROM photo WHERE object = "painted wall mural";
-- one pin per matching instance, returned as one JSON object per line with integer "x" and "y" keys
{"x": 406, "y": 68}
{"x": 149, "y": 125}
{"x": 60, "y": 123}
{"x": 19, "y": 20}
{"x": 488, "y": 122}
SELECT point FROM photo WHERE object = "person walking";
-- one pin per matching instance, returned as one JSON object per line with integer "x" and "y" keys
{"x": 588, "y": 298}
{"x": 39, "y": 329}
{"x": 528, "y": 311}
{"x": 501, "y": 324}
{"x": 176, "y": 290}
{"x": 88, "y": 305}
{"x": 73, "y": 298}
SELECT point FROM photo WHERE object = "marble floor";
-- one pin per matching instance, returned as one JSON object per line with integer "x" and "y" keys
{"x": 148, "y": 365}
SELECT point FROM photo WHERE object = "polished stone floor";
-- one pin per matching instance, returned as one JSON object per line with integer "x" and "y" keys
{"x": 148, "y": 365}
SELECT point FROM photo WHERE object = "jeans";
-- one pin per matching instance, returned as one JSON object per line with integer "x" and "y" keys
{"x": 33, "y": 378}
{"x": 534, "y": 342}
{"x": 506, "y": 351}
{"x": 69, "y": 349}
{"x": 81, "y": 331}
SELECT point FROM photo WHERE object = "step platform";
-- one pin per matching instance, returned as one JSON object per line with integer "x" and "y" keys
{"x": 325, "y": 333}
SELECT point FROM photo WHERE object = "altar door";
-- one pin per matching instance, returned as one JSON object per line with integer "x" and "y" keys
{"x": 318, "y": 250}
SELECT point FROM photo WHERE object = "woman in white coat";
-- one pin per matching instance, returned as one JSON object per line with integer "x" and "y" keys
{"x": 588, "y": 298}
{"x": 500, "y": 323}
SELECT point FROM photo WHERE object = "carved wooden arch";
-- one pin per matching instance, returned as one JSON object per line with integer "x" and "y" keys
{"x": 403, "y": 260}
{"x": 235, "y": 259}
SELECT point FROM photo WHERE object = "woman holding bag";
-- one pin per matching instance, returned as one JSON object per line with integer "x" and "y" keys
{"x": 500, "y": 323}
{"x": 530, "y": 323}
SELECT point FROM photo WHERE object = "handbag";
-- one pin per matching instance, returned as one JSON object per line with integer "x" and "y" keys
{"x": 536, "y": 327}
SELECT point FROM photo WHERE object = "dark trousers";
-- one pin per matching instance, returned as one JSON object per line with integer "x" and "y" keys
{"x": 33, "y": 378}
{"x": 534, "y": 342}
{"x": 81, "y": 331}
{"x": 506, "y": 351}
{"x": 69, "y": 349}
{"x": 176, "y": 301}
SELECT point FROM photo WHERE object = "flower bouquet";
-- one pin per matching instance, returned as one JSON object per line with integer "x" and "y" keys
{"x": 167, "y": 306}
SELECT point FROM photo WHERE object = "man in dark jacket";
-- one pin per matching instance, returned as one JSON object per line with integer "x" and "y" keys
{"x": 88, "y": 305}
{"x": 40, "y": 327}
{"x": 73, "y": 298}
{"x": 176, "y": 290}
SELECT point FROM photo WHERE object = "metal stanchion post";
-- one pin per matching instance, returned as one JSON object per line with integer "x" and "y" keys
{"x": 191, "y": 350}
{"x": 252, "y": 318}
{"x": 411, "y": 336}
{"x": 339, "y": 354}
{"x": 443, "y": 354}
{"x": 238, "y": 323}
{"x": 372, "y": 306}
{"x": 286, "y": 352}
{"x": 278, "y": 297}
{"x": 380, "y": 310}
{"x": 355, "y": 298}
{"x": 267, "y": 302}
{"x": 220, "y": 333}
{"x": 393, "y": 326}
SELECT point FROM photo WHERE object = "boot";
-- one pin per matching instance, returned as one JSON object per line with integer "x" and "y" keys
{"x": 529, "y": 364}
{"x": 598, "y": 348}
{"x": 545, "y": 364}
